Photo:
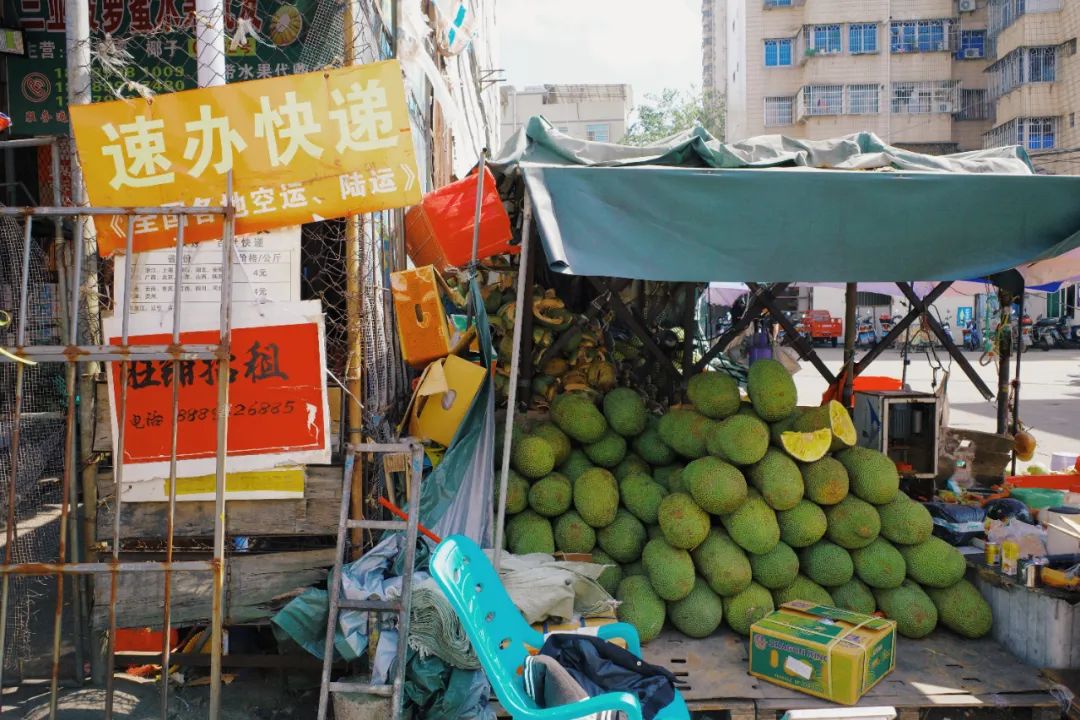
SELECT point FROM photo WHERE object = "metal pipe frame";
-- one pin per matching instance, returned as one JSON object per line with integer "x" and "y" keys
{"x": 73, "y": 353}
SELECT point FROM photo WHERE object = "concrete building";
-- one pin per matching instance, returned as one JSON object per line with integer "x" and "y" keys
{"x": 585, "y": 112}
{"x": 910, "y": 71}
{"x": 1034, "y": 80}
{"x": 714, "y": 47}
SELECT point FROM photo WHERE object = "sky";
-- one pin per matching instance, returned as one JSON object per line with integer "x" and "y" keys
{"x": 649, "y": 44}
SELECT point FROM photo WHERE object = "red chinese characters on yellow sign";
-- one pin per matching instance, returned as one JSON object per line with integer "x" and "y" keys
{"x": 300, "y": 148}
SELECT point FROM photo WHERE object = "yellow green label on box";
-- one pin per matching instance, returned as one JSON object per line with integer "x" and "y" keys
{"x": 823, "y": 651}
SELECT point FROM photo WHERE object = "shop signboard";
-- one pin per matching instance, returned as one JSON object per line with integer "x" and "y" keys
{"x": 299, "y": 149}
{"x": 277, "y": 398}
{"x": 153, "y": 38}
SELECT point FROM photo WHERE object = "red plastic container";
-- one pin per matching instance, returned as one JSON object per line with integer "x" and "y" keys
{"x": 439, "y": 231}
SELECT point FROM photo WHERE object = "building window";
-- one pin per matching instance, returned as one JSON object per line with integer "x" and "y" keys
{"x": 918, "y": 36}
{"x": 1032, "y": 133}
{"x": 1004, "y": 13}
{"x": 779, "y": 111}
{"x": 917, "y": 98}
{"x": 862, "y": 38}
{"x": 1041, "y": 64}
{"x": 565, "y": 130}
{"x": 972, "y": 45}
{"x": 778, "y": 52}
{"x": 824, "y": 39}
{"x": 823, "y": 99}
{"x": 778, "y": 3}
{"x": 1039, "y": 133}
{"x": 974, "y": 105}
{"x": 863, "y": 99}
{"x": 599, "y": 132}
{"x": 1023, "y": 65}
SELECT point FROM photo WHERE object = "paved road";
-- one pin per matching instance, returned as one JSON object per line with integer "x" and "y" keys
{"x": 1049, "y": 393}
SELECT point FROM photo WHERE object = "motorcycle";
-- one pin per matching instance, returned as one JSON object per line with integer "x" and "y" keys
{"x": 1045, "y": 334}
{"x": 1070, "y": 335}
{"x": 972, "y": 336}
{"x": 867, "y": 336}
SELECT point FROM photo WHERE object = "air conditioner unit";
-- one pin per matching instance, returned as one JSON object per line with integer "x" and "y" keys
{"x": 944, "y": 107}
{"x": 972, "y": 53}
{"x": 965, "y": 5}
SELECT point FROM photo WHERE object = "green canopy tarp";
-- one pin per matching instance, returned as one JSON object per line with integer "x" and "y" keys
{"x": 774, "y": 209}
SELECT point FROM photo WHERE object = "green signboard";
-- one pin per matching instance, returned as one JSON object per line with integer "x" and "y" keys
{"x": 148, "y": 43}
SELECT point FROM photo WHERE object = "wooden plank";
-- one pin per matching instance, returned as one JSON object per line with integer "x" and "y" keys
{"x": 940, "y": 666}
{"x": 315, "y": 514}
{"x": 256, "y": 587}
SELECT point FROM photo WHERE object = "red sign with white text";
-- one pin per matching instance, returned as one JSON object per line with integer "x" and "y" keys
{"x": 276, "y": 397}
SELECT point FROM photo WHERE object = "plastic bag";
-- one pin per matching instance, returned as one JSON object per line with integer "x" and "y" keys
{"x": 1030, "y": 538}
{"x": 957, "y": 524}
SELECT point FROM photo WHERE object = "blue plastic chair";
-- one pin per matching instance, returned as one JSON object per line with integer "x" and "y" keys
{"x": 502, "y": 638}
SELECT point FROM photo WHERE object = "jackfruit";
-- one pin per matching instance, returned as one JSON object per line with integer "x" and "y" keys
{"x": 684, "y": 431}
{"x": 832, "y": 416}
{"x": 714, "y": 394}
{"x": 608, "y": 451}
{"x": 825, "y": 481}
{"x": 623, "y": 539}
{"x": 698, "y": 614}
{"x": 551, "y": 496}
{"x": 775, "y": 569}
{"x": 879, "y": 565}
{"x": 517, "y": 493}
{"x": 778, "y": 428}
{"x": 905, "y": 522}
{"x": 612, "y": 575}
{"x": 778, "y": 479}
{"x": 642, "y": 497}
{"x": 827, "y": 564}
{"x": 854, "y": 596}
{"x": 910, "y": 607}
{"x": 806, "y": 446}
{"x": 532, "y": 456}
{"x": 747, "y": 409}
{"x": 556, "y": 438}
{"x": 670, "y": 569}
{"x": 675, "y": 481}
{"x": 723, "y": 564}
{"x": 574, "y": 535}
{"x": 631, "y": 465}
{"x": 683, "y": 523}
{"x": 652, "y": 448}
{"x": 962, "y": 609}
{"x": 803, "y": 588}
{"x": 640, "y": 606}
{"x": 740, "y": 440}
{"x": 632, "y": 569}
{"x": 934, "y": 563}
{"x": 596, "y": 497}
{"x": 802, "y": 525}
{"x": 771, "y": 390}
{"x": 664, "y": 473}
{"x": 625, "y": 412}
{"x": 743, "y": 610}
{"x": 872, "y": 474}
{"x": 716, "y": 487}
{"x": 852, "y": 523}
{"x": 578, "y": 417}
{"x": 753, "y": 525}
{"x": 528, "y": 532}
{"x": 576, "y": 463}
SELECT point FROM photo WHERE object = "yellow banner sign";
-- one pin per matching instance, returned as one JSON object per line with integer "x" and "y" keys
{"x": 300, "y": 148}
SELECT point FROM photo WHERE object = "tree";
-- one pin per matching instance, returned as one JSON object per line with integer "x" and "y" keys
{"x": 674, "y": 111}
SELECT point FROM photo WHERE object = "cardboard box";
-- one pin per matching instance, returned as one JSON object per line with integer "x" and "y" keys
{"x": 421, "y": 319}
{"x": 443, "y": 396}
{"x": 822, "y": 651}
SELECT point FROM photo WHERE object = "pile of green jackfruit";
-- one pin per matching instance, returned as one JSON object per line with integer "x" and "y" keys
{"x": 724, "y": 508}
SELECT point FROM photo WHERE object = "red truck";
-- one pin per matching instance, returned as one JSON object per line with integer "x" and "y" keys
{"x": 820, "y": 326}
